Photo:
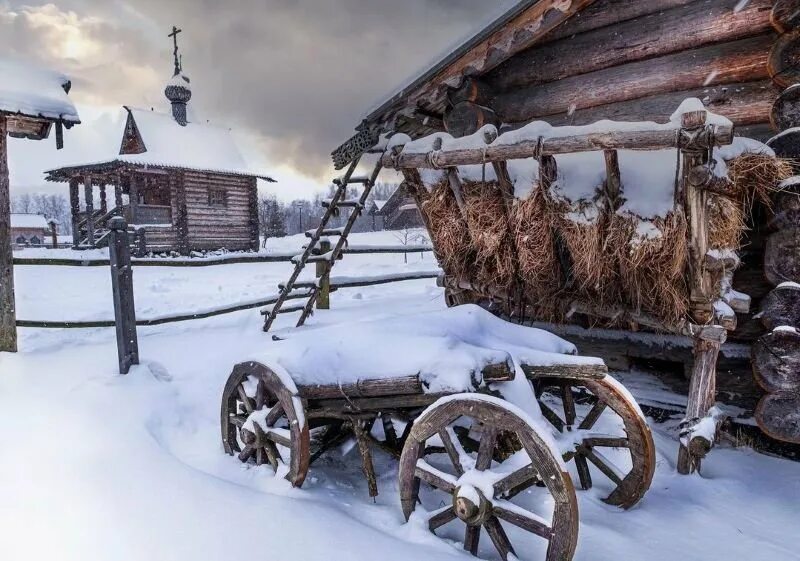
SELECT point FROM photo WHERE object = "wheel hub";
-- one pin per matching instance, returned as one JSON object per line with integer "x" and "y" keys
{"x": 470, "y": 505}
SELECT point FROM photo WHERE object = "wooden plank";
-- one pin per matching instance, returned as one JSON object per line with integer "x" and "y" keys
{"x": 726, "y": 63}
{"x": 8, "y": 316}
{"x": 571, "y": 371}
{"x": 683, "y": 28}
{"x": 748, "y": 103}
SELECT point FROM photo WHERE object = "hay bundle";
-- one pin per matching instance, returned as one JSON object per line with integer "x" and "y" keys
{"x": 726, "y": 222}
{"x": 654, "y": 266}
{"x": 593, "y": 243}
{"x": 533, "y": 229}
{"x": 756, "y": 176}
{"x": 487, "y": 219}
{"x": 448, "y": 230}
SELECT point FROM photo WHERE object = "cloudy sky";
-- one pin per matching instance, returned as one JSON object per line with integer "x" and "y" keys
{"x": 291, "y": 77}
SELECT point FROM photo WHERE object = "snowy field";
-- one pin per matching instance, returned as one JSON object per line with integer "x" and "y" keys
{"x": 101, "y": 467}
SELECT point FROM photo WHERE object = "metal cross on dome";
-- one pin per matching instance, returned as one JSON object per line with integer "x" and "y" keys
{"x": 174, "y": 36}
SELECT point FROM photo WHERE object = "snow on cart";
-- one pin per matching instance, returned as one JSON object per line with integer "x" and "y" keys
{"x": 477, "y": 410}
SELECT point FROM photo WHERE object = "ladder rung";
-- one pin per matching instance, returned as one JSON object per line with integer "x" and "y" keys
{"x": 284, "y": 309}
{"x": 363, "y": 179}
{"x": 351, "y": 203}
{"x": 334, "y": 232}
{"x": 323, "y": 258}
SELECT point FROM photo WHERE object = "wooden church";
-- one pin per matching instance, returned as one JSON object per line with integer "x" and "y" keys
{"x": 182, "y": 186}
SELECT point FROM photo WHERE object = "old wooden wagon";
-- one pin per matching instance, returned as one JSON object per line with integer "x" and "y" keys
{"x": 703, "y": 290}
{"x": 477, "y": 410}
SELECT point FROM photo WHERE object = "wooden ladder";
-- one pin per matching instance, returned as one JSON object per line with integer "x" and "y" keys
{"x": 294, "y": 290}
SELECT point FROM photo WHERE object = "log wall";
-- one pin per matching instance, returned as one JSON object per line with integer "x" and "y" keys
{"x": 214, "y": 227}
{"x": 637, "y": 60}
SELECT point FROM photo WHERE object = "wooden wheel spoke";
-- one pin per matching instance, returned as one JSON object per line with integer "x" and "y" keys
{"x": 261, "y": 395}
{"x": 486, "y": 448}
{"x": 604, "y": 465}
{"x": 568, "y": 401}
{"x": 441, "y": 517}
{"x": 584, "y": 475}
{"x": 273, "y": 455}
{"x": 237, "y": 420}
{"x": 515, "y": 480}
{"x": 607, "y": 441}
{"x": 552, "y": 417}
{"x": 246, "y": 453}
{"x": 523, "y": 519}
{"x": 454, "y": 451}
{"x": 593, "y": 415}
{"x": 260, "y": 453}
{"x": 278, "y": 438}
{"x": 245, "y": 399}
{"x": 498, "y": 537}
{"x": 274, "y": 414}
{"x": 389, "y": 431}
{"x": 471, "y": 538}
{"x": 434, "y": 477}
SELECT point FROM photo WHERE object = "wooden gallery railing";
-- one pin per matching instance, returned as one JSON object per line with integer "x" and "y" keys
{"x": 695, "y": 139}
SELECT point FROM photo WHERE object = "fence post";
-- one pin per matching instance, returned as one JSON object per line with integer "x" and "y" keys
{"x": 122, "y": 285}
{"x": 324, "y": 278}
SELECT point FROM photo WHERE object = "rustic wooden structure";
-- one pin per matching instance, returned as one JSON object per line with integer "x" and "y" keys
{"x": 578, "y": 62}
{"x": 28, "y": 229}
{"x": 265, "y": 421}
{"x": 400, "y": 211}
{"x": 183, "y": 182}
{"x": 32, "y": 102}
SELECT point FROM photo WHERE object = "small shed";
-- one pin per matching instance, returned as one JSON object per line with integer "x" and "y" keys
{"x": 181, "y": 185}
{"x": 33, "y": 101}
{"x": 28, "y": 229}
{"x": 400, "y": 211}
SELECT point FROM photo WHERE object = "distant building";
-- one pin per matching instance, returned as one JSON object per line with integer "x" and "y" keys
{"x": 29, "y": 229}
{"x": 399, "y": 211}
{"x": 183, "y": 184}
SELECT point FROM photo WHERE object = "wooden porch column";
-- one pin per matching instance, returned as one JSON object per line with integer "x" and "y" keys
{"x": 75, "y": 209}
{"x": 89, "y": 197}
{"x": 8, "y": 315}
{"x": 103, "y": 203}
{"x": 133, "y": 195}
{"x": 54, "y": 233}
{"x": 118, "y": 192}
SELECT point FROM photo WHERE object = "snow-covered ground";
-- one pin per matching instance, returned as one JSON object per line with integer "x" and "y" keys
{"x": 98, "y": 467}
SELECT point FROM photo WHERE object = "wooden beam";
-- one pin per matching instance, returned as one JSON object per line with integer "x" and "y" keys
{"x": 683, "y": 28}
{"x": 726, "y": 63}
{"x": 75, "y": 208}
{"x": 88, "y": 196}
{"x": 745, "y": 103}
{"x": 8, "y": 314}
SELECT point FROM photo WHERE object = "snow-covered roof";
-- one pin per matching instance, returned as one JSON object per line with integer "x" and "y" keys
{"x": 378, "y": 204}
{"x": 28, "y": 221}
{"x": 196, "y": 146}
{"x": 28, "y": 90}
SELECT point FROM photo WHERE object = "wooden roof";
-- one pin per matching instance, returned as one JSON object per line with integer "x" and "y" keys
{"x": 425, "y": 98}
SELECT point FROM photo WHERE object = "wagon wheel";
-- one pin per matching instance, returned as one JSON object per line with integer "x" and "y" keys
{"x": 600, "y": 418}
{"x": 475, "y": 488}
{"x": 263, "y": 422}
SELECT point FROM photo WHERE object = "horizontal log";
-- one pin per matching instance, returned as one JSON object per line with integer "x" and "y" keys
{"x": 781, "y": 307}
{"x": 782, "y": 64}
{"x": 778, "y": 415}
{"x": 406, "y": 385}
{"x": 617, "y": 140}
{"x": 776, "y": 361}
{"x": 570, "y": 371}
{"x": 786, "y": 15}
{"x": 602, "y": 13}
{"x": 727, "y": 63}
{"x": 782, "y": 257}
{"x": 686, "y": 27}
{"x": 744, "y": 104}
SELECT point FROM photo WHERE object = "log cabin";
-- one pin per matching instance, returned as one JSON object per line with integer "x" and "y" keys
{"x": 181, "y": 186}
{"x": 576, "y": 62}
{"x": 28, "y": 229}
{"x": 400, "y": 211}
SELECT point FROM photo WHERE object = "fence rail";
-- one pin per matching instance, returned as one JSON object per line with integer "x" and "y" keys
{"x": 336, "y": 283}
{"x": 209, "y": 262}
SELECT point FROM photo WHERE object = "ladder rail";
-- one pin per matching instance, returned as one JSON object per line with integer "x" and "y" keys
{"x": 301, "y": 263}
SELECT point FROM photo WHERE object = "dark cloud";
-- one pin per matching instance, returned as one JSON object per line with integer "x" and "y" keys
{"x": 298, "y": 73}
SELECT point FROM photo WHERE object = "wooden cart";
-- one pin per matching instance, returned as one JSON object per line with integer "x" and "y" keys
{"x": 473, "y": 452}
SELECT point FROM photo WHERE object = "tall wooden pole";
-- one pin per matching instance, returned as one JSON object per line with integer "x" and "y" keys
{"x": 89, "y": 197}
{"x": 103, "y": 202}
{"x": 122, "y": 288}
{"x": 75, "y": 209}
{"x": 8, "y": 316}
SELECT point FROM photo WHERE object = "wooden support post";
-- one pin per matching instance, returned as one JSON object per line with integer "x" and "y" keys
{"x": 548, "y": 173}
{"x": 324, "y": 278}
{"x": 702, "y": 387}
{"x": 8, "y": 314}
{"x": 75, "y": 209}
{"x": 613, "y": 187}
{"x": 122, "y": 287}
{"x": 89, "y": 197}
{"x": 458, "y": 193}
{"x": 133, "y": 196}
{"x": 118, "y": 193}
{"x": 103, "y": 202}
{"x": 54, "y": 233}
{"x": 361, "y": 430}
{"x": 178, "y": 181}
